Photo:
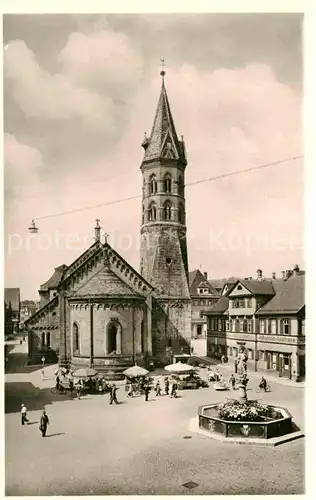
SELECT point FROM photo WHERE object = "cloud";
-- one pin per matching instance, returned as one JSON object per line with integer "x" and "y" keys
{"x": 88, "y": 118}
{"x": 21, "y": 162}
{"x": 41, "y": 94}
{"x": 104, "y": 59}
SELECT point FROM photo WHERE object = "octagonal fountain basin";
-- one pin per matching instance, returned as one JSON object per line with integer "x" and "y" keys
{"x": 274, "y": 427}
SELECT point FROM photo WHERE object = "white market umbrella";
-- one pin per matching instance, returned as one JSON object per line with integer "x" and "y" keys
{"x": 135, "y": 371}
{"x": 179, "y": 368}
{"x": 84, "y": 373}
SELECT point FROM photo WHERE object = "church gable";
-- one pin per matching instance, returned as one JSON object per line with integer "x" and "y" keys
{"x": 91, "y": 268}
{"x": 105, "y": 282}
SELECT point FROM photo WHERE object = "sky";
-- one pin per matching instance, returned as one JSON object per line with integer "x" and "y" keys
{"x": 80, "y": 91}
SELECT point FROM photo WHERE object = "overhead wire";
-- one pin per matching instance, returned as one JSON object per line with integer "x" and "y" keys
{"x": 199, "y": 181}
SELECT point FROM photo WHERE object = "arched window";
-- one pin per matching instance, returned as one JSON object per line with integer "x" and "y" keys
{"x": 181, "y": 214}
{"x": 48, "y": 339}
{"x": 152, "y": 212}
{"x": 152, "y": 184}
{"x": 143, "y": 214}
{"x": 167, "y": 210}
{"x": 167, "y": 183}
{"x": 75, "y": 336}
{"x": 43, "y": 339}
{"x": 113, "y": 340}
{"x": 181, "y": 185}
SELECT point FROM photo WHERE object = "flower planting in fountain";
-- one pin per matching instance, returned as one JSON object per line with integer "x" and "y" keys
{"x": 244, "y": 419}
{"x": 248, "y": 411}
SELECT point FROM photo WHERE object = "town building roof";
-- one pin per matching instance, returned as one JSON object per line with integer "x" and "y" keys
{"x": 257, "y": 287}
{"x": 219, "y": 308}
{"x": 289, "y": 296}
{"x": 198, "y": 280}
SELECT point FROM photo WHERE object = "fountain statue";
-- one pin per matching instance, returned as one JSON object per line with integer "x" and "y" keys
{"x": 242, "y": 373}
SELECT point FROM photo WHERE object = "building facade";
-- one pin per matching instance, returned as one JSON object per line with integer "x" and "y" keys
{"x": 203, "y": 297}
{"x": 99, "y": 311}
{"x": 28, "y": 308}
{"x": 267, "y": 317}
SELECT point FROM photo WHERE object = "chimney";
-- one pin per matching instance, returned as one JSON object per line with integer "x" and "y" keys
{"x": 296, "y": 270}
{"x": 259, "y": 274}
{"x": 273, "y": 276}
{"x": 288, "y": 273}
{"x": 283, "y": 275}
{"x": 97, "y": 230}
{"x": 205, "y": 275}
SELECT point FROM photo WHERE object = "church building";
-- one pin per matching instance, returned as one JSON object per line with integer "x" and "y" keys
{"x": 100, "y": 312}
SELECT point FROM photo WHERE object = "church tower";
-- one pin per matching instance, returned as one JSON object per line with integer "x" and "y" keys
{"x": 164, "y": 256}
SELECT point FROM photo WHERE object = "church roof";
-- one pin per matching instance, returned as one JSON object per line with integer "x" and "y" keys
{"x": 163, "y": 141}
{"x": 105, "y": 282}
{"x": 55, "y": 279}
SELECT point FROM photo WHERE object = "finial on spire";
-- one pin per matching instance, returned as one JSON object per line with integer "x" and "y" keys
{"x": 162, "y": 64}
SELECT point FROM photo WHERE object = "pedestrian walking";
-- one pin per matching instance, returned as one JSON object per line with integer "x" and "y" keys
{"x": 129, "y": 388}
{"x": 174, "y": 389}
{"x": 147, "y": 391}
{"x": 167, "y": 384}
{"x": 79, "y": 389}
{"x": 23, "y": 414}
{"x": 44, "y": 423}
{"x": 71, "y": 386}
{"x": 113, "y": 394}
{"x": 232, "y": 381}
{"x": 57, "y": 383}
{"x": 223, "y": 359}
{"x": 158, "y": 389}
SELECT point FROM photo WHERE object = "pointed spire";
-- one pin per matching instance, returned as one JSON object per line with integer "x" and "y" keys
{"x": 163, "y": 141}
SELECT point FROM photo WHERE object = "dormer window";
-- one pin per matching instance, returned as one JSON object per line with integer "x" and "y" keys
{"x": 203, "y": 291}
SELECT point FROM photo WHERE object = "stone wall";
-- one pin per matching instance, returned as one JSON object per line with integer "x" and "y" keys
{"x": 47, "y": 322}
{"x": 102, "y": 316}
{"x": 171, "y": 328}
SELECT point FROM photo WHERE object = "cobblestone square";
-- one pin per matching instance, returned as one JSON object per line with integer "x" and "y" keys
{"x": 138, "y": 447}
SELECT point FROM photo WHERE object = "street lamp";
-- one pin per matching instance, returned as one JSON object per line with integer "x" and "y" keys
{"x": 33, "y": 229}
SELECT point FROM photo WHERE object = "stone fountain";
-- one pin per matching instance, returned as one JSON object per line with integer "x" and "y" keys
{"x": 243, "y": 421}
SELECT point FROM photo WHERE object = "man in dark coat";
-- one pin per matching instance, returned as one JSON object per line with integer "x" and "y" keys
{"x": 147, "y": 391}
{"x": 113, "y": 394}
{"x": 167, "y": 386}
{"x": 44, "y": 423}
